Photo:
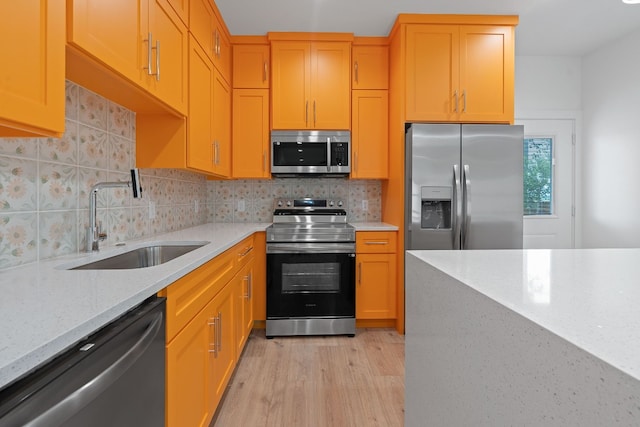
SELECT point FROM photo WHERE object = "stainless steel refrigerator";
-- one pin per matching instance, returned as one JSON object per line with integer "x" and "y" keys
{"x": 464, "y": 186}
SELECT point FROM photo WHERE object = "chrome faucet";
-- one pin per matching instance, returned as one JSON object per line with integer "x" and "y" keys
{"x": 94, "y": 232}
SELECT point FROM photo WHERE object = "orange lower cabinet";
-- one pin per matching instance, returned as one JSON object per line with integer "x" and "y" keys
{"x": 222, "y": 358}
{"x": 375, "y": 286}
{"x": 243, "y": 296}
{"x": 187, "y": 373}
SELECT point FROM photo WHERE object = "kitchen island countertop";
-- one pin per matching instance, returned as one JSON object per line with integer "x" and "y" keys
{"x": 523, "y": 337}
{"x": 45, "y": 308}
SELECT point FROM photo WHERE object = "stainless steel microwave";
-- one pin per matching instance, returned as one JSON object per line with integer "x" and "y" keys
{"x": 295, "y": 153}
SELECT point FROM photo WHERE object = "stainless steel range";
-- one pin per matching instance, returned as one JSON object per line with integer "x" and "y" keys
{"x": 310, "y": 269}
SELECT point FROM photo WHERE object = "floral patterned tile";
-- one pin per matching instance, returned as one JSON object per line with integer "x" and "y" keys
{"x": 242, "y": 189}
{"x": 262, "y": 211}
{"x": 280, "y": 189}
{"x": 211, "y": 212}
{"x": 119, "y": 153}
{"x": 92, "y": 109}
{"x": 63, "y": 150}
{"x": 244, "y": 215}
{"x": 87, "y": 178}
{"x": 119, "y": 120}
{"x": 118, "y": 225}
{"x": 18, "y": 239}
{"x": 224, "y": 212}
{"x": 18, "y": 187}
{"x": 224, "y": 192}
{"x": 171, "y": 223}
{"x": 93, "y": 147}
{"x": 118, "y": 197}
{"x": 156, "y": 225}
{"x": 19, "y": 147}
{"x": 58, "y": 187}
{"x": 339, "y": 190}
{"x": 71, "y": 100}
{"x": 139, "y": 223}
{"x": 58, "y": 233}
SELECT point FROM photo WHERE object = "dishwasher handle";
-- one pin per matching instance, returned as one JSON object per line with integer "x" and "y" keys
{"x": 57, "y": 414}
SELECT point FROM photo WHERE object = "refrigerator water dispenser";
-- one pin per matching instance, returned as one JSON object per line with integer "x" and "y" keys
{"x": 436, "y": 208}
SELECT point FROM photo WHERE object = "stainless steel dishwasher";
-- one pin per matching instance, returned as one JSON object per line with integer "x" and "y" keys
{"x": 115, "y": 377}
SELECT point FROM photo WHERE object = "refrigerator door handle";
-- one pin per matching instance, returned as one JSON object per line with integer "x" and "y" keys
{"x": 457, "y": 207}
{"x": 466, "y": 200}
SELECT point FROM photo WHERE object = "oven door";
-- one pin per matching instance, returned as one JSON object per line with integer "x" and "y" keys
{"x": 310, "y": 280}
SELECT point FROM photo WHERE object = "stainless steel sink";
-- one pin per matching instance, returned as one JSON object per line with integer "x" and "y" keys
{"x": 146, "y": 256}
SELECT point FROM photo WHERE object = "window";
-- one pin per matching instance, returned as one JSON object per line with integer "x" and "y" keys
{"x": 538, "y": 176}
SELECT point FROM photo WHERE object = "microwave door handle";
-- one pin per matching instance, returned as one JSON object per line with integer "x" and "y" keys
{"x": 328, "y": 154}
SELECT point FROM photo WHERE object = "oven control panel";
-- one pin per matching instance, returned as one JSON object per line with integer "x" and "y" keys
{"x": 307, "y": 203}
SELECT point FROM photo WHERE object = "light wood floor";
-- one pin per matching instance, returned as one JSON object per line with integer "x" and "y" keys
{"x": 317, "y": 382}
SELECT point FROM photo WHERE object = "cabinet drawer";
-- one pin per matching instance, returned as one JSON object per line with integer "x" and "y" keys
{"x": 244, "y": 252}
{"x": 372, "y": 242}
{"x": 191, "y": 293}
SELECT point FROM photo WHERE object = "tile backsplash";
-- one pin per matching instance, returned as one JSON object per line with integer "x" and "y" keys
{"x": 45, "y": 184}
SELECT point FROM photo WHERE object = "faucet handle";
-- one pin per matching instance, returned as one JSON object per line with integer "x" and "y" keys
{"x": 101, "y": 234}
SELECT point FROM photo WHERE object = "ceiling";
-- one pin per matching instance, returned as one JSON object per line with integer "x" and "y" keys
{"x": 547, "y": 27}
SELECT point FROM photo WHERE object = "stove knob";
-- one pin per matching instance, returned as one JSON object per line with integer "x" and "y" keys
{"x": 331, "y": 203}
{"x": 340, "y": 203}
{"x": 289, "y": 203}
{"x": 279, "y": 203}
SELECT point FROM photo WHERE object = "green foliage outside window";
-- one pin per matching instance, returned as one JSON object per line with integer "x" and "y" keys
{"x": 538, "y": 168}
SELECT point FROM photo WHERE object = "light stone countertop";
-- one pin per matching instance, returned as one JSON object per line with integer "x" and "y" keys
{"x": 44, "y": 308}
{"x": 589, "y": 297}
{"x": 374, "y": 226}
{"x": 523, "y": 337}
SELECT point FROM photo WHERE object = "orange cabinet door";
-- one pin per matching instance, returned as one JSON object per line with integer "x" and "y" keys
{"x": 181, "y": 7}
{"x": 251, "y": 66}
{"x": 291, "y": 85}
{"x": 222, "y": 49}
{"x": 222, "y": 359}
{"x": 375, "y": 286}
{"x": 250, "y": 133}
{"x": 486, "y": 73}
{"x": 33, "y": 68}
{"x": 187, "y": 375}
{"x": 200, "y": 119}
{"x": 330, "y": 85}
{"x": 370, "y": 134}
{"x": 221, "y": 126}
{"x": 432, "y": 72}
{"x": 113, "y": 32}
{"x": 201, "y": 18}
{"x": 170, "y": 44}
{"x": 243, "y": 283}
{"x": 370, "y": 67}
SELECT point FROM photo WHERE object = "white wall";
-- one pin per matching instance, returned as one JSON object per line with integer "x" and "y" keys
{"x": 611, "y": 149}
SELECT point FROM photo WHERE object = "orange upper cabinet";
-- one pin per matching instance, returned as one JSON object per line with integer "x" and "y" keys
{"x": 460, "y": 73}
{"x": 311, "y": 84}
{"x": 181, "y": 7}
{"x": 251, "y": 66}
{"x": 33, "y": 68}
{"x": 370, "y": 67}
{"x": 209, "y": 30}
{"x": 144, "y": 41}
{"x": 221, "y": 126}
{"x": 370, "y": 134}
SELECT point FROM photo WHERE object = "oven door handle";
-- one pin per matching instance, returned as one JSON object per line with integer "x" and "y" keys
{"x": 311, "y": 248}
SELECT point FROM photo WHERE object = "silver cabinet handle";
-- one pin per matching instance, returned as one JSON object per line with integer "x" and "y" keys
{"x": 457, "y": 207}
{"x": 158, "y": 60}
{"x": 216, "y": 153}
{"x": 265, "y": 74}
{"x": 306, "y": 114}
{"x": 213, "y": 152}
{"x": 149, "y": 54}
{"x": 356, "y": 71}
{"x": 376, "y": 243}
{"x": 212, "y": 345}
{"x": 464, "y": 101}
{"x": 220, "y": 334}
{"x": 247, "y": 251}
{"x": 455, "y": 98}
{"x": 314, "y": 113}
{"x": 466, "y": 197}
{"x": 359, "y": 273}
{"x": 58, "y": 414}
{"x": 250, "y": 284}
